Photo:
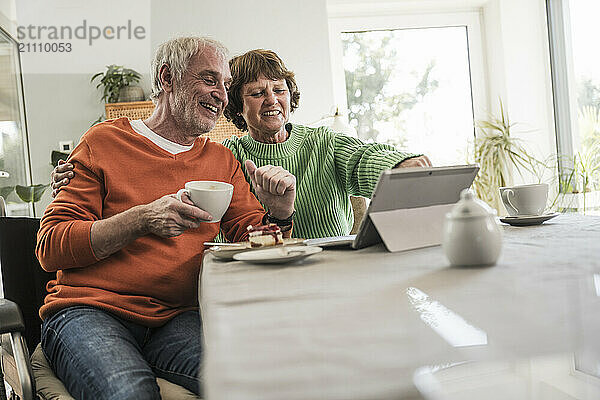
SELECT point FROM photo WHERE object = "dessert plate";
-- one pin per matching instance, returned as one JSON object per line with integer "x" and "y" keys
{"x": 527, "y": 220}
{"x": 228, "y": 250}
{"x": 278, "y": 255}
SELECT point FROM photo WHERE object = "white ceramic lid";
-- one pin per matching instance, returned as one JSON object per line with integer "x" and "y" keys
{"x": 469, "y": 206}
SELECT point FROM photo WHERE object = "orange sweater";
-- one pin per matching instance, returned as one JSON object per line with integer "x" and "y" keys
{"x": 152, "y": 279}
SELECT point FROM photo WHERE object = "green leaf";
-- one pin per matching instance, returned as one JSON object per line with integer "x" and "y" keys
{"x": 31, "y": 194}
{"x": 58, "y": 155}
{"x": 6, "y": 190}
{"x": 95, "y": 76}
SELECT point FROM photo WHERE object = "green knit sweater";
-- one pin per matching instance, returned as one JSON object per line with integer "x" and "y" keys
{"x": 328, "y": 167}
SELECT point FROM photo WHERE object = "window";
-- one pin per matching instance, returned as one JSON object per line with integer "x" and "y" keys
{"x": 408, "y": 81}
{"x": 14, "y": 161}
{"x": 576, "y": 85}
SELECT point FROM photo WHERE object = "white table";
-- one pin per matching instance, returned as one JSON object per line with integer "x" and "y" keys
{"x": 347, "y": 324}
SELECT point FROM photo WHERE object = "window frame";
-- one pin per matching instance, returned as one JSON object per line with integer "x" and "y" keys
{"x": 563, "y": 84}
{"x": 414, "y": 20}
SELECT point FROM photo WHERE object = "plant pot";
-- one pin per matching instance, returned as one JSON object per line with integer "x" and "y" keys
{"x": 131, "y": 93}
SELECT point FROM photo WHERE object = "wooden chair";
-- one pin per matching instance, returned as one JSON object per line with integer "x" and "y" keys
{"x": 359, "y": 209}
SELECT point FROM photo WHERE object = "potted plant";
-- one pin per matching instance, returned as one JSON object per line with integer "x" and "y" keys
{"x": 27, "y": 194}
{"x": 498, "y": 154}
{"x": 116, "y": 83}
{"x": 579, "y": 188}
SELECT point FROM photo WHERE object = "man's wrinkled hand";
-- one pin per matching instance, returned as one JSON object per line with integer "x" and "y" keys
{"x": 421, "y": 161}
{"x": 61, "y": 176}
{"x": 168, "y": 217}
{"x": 275, "y": 187}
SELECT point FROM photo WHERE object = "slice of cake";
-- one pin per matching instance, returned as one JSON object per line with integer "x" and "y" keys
{"x": 265, "y": 235}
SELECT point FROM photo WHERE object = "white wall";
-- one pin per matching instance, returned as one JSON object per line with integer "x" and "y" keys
{"x": 61, "y": 106}
{"x": 7, "y": 15}
{"x": 296, "y": 30}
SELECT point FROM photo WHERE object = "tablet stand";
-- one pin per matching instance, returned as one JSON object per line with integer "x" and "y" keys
{"x": 411, "y": 228}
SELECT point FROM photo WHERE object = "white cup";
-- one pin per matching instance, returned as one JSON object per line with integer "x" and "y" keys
{"x": 211, "y": 196}
{"x": 523, "y": 200}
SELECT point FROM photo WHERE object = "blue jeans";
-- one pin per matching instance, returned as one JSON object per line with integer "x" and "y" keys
{"x": 100, "y": 356}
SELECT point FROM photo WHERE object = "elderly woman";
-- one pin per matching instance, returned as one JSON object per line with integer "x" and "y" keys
{"x": 329, "y": 166}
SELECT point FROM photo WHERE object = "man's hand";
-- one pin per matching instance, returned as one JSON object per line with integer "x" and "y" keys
{"x": 165, "y": 217}
{"x": 421, "y": 161}
{"x": 275, "y": 187}
{"x": 61, "y": 175}
{"x": 168, "y": 217}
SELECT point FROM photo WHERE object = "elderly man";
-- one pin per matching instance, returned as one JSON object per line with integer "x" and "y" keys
{"x": 123, "y": 308}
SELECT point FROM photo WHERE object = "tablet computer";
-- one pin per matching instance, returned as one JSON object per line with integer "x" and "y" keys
{"x": 406, "y": 188}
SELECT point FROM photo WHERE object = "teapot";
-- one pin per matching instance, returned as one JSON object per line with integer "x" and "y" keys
{"x": 471, "y": 235}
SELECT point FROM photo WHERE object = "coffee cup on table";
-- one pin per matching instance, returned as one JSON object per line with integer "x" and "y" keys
{"x": 522, "y": 200}
{"x": 211, "y": 196}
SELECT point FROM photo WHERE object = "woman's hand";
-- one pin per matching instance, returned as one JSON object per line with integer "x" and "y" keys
{"x": 421, "y": 161}
{"x": 275, "y": 187}
{"x": 61, "y": 176}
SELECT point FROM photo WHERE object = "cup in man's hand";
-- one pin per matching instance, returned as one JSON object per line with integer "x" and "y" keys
{"x": 211, "y": 196}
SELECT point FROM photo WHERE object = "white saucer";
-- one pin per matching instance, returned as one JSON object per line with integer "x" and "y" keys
{"x": 277, "y": 255}
{"x": 227, "y": 252}
{"x": 527, "y": 220}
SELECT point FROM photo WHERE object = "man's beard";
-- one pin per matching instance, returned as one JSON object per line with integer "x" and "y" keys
{"x": 187, "y": 116}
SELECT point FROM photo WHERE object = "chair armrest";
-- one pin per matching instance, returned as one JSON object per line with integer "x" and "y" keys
{"x": 11, "y": 319}
{"x": 11, "y": 322}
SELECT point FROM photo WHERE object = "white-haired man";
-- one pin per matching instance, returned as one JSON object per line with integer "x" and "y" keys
{"x": 123, "y": 308}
